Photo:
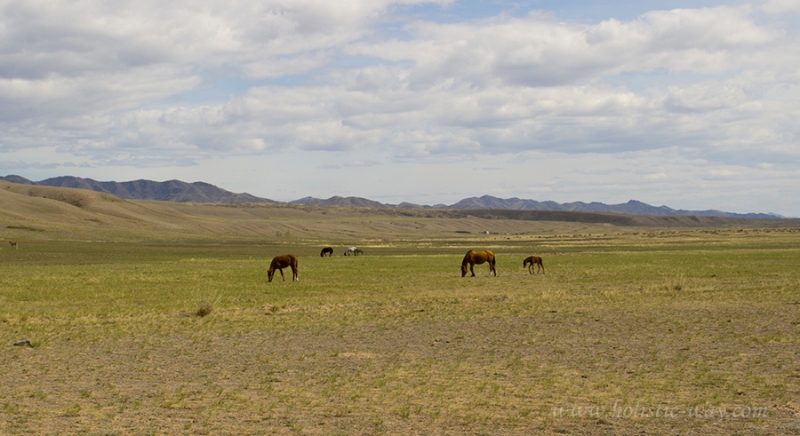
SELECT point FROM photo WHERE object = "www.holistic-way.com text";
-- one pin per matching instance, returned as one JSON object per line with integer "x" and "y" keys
{"x": 638, "y": 410}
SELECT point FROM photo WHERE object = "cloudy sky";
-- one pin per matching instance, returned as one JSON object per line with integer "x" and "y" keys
{"x": 689, "y": 104}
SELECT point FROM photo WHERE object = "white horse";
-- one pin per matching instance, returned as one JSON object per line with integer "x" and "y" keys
{"x": 352, "y": 251}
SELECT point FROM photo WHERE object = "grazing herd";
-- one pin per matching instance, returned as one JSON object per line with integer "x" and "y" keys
{"x": 353, "y": 251}
{"x": 472, "y": 258}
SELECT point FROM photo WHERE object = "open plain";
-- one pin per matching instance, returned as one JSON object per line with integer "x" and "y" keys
{"x": 157, "y": 318}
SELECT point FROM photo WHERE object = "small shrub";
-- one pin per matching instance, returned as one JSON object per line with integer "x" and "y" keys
{"x": 205, "y": 309}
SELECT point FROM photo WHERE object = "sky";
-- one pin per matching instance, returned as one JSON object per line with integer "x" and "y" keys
{"x": 689, "y": 104}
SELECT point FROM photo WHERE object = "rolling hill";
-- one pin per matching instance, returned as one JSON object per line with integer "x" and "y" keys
{"x": 172, "y": 190}
{"x": 43, "y": 212}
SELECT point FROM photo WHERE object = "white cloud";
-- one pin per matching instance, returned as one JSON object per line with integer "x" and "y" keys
{"x": 722, "y": 173}
{"x": 122, "y": 84}
{"x": 781, "y": 6}
{"x": 656, "y": 176}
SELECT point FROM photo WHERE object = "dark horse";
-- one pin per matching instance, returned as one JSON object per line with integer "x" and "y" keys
{"x": 531, "y": 261}
{"x": 476, "y": 258}
{"x": 281, "y": 262}
{"x": 327, "y": 251}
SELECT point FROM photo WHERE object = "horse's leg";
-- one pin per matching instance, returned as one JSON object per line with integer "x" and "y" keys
{"x": 472, "y": 270}
{"x": 295, "y": 277}
{"x": 282, "y": 277}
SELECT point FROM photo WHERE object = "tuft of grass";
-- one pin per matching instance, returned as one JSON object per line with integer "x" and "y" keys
{"x": 677, "y": 283}
{"x": 206, "y": 305}
{"x": 205, "y": 309}
{"x": 72, "y": 411}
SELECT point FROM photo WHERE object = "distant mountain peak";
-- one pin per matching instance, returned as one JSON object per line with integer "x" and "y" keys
{"x": 337, "y": 200}
{"x": 171, "y": 190}
{"x": 202, "y": 192}
{"x": 632, "y": 207}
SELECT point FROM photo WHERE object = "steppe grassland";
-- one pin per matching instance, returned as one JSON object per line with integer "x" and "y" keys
{"x": 396, "y": 341}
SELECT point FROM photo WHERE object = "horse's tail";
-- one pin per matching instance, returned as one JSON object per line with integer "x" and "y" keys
{"x": 493, "y": 260}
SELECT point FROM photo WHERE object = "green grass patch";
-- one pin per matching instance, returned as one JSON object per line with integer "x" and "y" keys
{"x": 665, "y": 331}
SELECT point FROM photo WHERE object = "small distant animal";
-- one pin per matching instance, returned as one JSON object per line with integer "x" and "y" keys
{"x": 476, "y": 258}
{"x": 13, "y": 244}
{"x": 353, "y": 251}
{"x": 25, "y": 343}
{"x": 327, "y": 251}
{"x": 531, "y": 261}
{"x": 281, "y": 262}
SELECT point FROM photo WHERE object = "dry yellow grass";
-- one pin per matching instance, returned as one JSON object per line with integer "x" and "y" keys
{"x": 630, "y": 331}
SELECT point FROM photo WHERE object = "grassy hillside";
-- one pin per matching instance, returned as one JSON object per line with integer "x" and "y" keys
{"x": 40, "y": 212}
{"x": 36, "y": 212}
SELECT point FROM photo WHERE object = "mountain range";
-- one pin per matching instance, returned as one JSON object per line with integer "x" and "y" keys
{"x": 172, "y": 190}
{"x": 200, "y": 192}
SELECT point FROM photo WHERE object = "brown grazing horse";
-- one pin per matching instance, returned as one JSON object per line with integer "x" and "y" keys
{"x": 13, "y": 244}
{"x": 327, "y": 251}
{"x": 478, "y": 257}
{"x": 281, "y": 262}
{"x": 531, "y": 261}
